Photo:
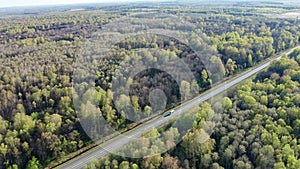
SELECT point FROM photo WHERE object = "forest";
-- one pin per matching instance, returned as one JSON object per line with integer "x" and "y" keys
{"x": 259, "y": 127}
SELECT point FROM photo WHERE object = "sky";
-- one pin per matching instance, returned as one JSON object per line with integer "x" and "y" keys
{"x": 12, "y": 3}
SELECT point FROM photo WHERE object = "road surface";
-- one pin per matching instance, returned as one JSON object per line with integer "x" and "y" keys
{"x": 119, "y": 141}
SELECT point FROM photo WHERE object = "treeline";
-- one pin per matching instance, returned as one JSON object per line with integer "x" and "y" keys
{"x": 248, "y": 41}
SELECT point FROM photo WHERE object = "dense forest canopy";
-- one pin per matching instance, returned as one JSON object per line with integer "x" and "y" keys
{"x": 259, "y": 128}
{"x": 260, "y": 124}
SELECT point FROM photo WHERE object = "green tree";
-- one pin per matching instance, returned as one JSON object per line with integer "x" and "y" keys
{"x": 250, "y": 60}
{"x": 227, "y": 103}
{"x": 217, "y": 69}
{"x": 34, "y": 164}
{"x": 23, "y": 123}
{"x": 185, "y": 90}
{"x": 124, "y": 165}
{"x": 279, "y": 165}
{"x": 230, "y": 66}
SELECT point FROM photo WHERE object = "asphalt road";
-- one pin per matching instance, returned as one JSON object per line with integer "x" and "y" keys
{"x": 119, "y": 141}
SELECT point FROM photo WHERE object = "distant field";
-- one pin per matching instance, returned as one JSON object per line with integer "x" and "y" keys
{"x": 288, "y": 15}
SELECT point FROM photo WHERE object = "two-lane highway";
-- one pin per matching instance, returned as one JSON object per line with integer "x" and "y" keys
{"x": 121, "y": 140}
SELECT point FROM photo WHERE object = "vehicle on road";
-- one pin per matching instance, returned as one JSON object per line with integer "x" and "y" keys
{"x": 169, "y": 113}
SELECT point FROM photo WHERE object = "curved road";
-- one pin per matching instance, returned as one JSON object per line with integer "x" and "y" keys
{"x": 121, "y": 140}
